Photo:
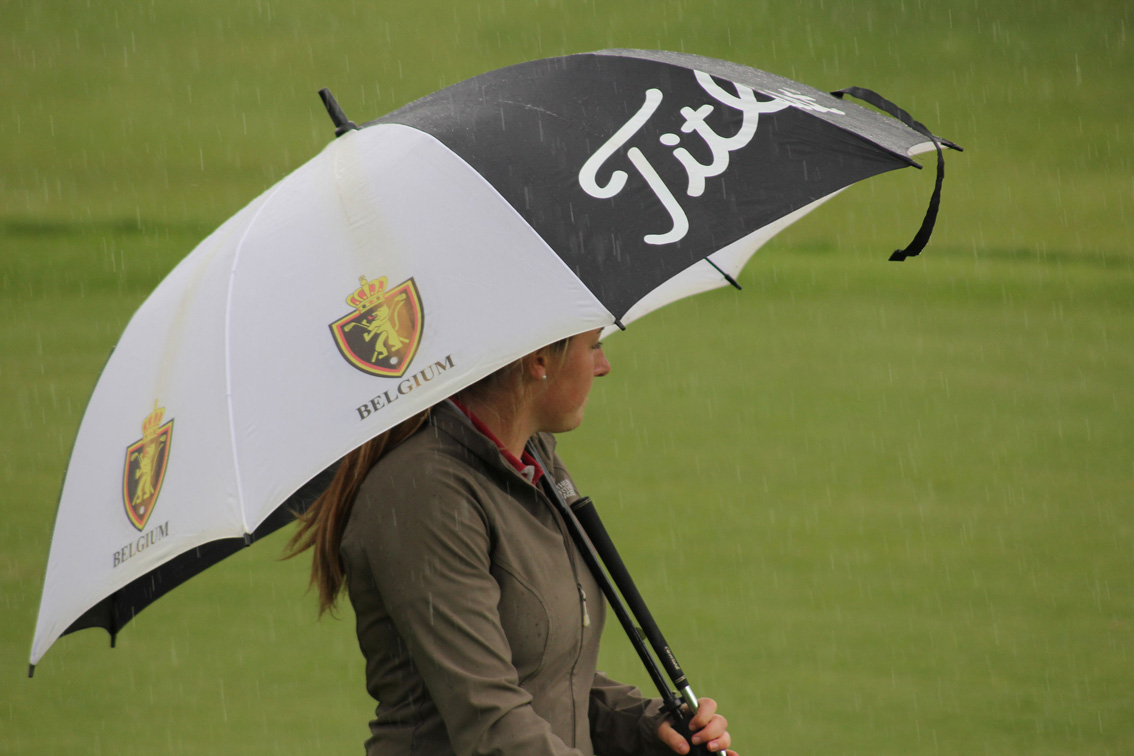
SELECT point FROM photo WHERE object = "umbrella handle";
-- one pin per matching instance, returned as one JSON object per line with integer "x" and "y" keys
{"x": 584, "y": 511}
{"x": 681, "y": 724}
{"x": 598, "y": 550}
{"x": 594, "y": 565}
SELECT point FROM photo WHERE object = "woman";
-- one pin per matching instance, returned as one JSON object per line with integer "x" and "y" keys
{"x": 478, "y": 620}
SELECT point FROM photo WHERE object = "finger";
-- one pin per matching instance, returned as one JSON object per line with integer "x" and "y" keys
{"x": 716, "y": 731}
{"x": 706, "y": 708}
{"x": 720, "y": 744}
{"x": 716, "y": 727}
{"x": 672, "y": 738}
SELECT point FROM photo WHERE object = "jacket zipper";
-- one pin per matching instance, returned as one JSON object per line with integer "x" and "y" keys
{"x": 568, "y": 544}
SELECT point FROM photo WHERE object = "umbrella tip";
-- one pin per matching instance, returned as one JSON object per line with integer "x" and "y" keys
{"x": 31, "y": 671}
{"x": 342, "y": 123}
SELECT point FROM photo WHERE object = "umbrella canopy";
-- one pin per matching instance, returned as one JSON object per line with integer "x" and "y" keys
{"x": 411, "y": 257}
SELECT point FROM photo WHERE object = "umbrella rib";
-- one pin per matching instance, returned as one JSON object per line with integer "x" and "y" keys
{"x": 228, "y": 358}
{"x": 727, "y": 277}
{"x": 512, "y": 208}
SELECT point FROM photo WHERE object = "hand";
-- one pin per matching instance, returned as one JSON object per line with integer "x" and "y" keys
{"x": 707, "y": 727}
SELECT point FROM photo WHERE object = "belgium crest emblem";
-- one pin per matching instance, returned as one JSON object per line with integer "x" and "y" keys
{"x": 146, "y": 460}
{"x": 381, "y": 334}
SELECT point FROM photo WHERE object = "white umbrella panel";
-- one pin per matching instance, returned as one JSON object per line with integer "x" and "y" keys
{"x": 411, "y": 257}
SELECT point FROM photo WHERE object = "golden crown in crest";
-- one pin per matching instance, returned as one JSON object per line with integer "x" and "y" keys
{"x": 152, "y": 424}
{"x": 369, "y": 294}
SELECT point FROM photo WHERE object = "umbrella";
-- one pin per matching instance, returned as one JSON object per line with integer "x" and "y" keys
{"x": 413, "y": 256}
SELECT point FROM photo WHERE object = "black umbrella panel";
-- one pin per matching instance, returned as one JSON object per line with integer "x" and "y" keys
{"x": 635, "y": 177}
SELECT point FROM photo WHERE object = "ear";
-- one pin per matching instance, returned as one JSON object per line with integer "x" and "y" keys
{"x": 536, "y": 364}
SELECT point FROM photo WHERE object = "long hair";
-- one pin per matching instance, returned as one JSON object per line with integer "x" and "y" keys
{"x": 321, "y": 526}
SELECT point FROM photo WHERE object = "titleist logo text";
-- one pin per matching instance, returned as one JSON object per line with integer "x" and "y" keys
{"x": 720, "y": 148}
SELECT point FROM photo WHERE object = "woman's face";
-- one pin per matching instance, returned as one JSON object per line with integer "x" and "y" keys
{"x": 569, "y": 381}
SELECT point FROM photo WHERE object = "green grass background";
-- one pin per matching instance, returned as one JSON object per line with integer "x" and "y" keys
{"x": 877, "y": 508}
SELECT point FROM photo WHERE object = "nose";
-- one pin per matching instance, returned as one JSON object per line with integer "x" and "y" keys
{"x": 602, "y": 365}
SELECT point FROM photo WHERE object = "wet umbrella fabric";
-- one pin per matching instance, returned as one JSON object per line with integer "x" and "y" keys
{"x": 411, "y": 257}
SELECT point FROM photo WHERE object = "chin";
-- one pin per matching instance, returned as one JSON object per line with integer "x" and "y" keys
{"x": 569, "y": 423}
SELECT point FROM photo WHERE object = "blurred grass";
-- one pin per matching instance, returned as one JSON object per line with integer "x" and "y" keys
{"x": 877, "y": 508}
{"x": 915, "y": 504}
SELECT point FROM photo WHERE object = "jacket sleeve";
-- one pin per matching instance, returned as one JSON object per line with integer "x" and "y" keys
{"x": 623, "y": 721}
{"x": 431, "y": 564}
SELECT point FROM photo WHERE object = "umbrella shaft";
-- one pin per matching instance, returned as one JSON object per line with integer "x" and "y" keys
{"x": 589, "y": 518}
{"x": 578, "y": 534}
{"x": 690, "y": 699}
{"x": 594, "y": 565}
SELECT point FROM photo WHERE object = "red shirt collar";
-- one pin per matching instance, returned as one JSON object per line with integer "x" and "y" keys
{"x": 519, "y": 465}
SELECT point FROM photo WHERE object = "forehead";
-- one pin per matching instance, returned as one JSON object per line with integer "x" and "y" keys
{"x": 588, "y": 337}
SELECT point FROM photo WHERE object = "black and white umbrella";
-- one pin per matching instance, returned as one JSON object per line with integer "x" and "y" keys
{"x": 411, "y": 257}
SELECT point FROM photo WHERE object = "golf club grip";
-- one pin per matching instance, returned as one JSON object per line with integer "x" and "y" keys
{"x": 588, "y": 517}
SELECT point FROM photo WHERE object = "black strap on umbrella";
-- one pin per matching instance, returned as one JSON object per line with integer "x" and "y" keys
{"x": 598, "y": 550}
{"x": 922, "y": 237}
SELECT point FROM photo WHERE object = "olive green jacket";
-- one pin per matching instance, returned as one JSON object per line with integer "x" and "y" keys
{"x": 478, "y": 619}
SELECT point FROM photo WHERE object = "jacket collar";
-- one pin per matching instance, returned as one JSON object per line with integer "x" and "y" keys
{"x": 526, "y": 465}
{"x": 450, "y": 420}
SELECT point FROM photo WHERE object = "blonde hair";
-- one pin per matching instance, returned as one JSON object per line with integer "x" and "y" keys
{"x": 321, "y": 526}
